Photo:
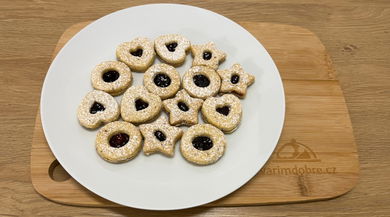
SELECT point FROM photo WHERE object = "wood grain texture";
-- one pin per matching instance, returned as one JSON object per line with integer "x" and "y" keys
{"x": 355, "y": 33}
{"x": 316, "y": 114}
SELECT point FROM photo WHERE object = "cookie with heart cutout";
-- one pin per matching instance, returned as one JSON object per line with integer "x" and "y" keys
{"x": 201, "y": 82}
{"x": 172, "y": 48}
{"x": 203, "y": 144}
{"x": 97, "y": 107}
{"x": 224, "y": 112}
{"x": 113, "y": 77}
{"x": 207, "y": 55}
{"x": 118, "y": 142}
{"x": 138, "y": 54}
{"x": 162, "y": 80}
{"x": 235, "y": 80}
{"x": 160, "y": 137}
{"x": 139, "y": 106}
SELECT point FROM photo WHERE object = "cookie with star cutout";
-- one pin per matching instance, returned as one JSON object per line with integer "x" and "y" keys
{"x": 172, "y": 48}
{"x": 160, "y": 137}
{"x": 138, "y": 54}
{"x": 97, "y": 107}
{"x": 183, "y": 109}
{"x": 207, "y": 55}
{"x": 235, "y": 80}
{"x": 118, "y": 142}
{"x": 203, "y": 144}
{"x": 113, "y": 77}
{"x": 139, "y": 106}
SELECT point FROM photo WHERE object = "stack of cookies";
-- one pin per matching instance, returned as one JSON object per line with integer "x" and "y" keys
{"x": 216, "y": 93}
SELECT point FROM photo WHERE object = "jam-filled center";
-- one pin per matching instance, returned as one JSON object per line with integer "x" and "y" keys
{"x": 140, "y": 104}
{"x": 96, "y": 107}
{"x": 201, "y": 80}
{"x": 160, "y": 136}
{"x": 182, "y": 106}
{"x": 162, "y": 80}
{"x": 137, "y": 53}
{"x": 119, "y": 140}
{"x": 235, "y": 79}
{"x": 171, "y": 47}
{"x": 110, "y": 76}
{"x": 223, "y": 110}
{"x": 202, "y": 143}
{"x": 207, "y": 55}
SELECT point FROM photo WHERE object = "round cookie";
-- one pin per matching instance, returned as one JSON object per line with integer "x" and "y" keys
{"x": 97, "y": 107}
{"x": 113, "y": 77}
{"x": 118, "y": 142}
{"x": 172, "y": 48}
{"x": 138, "y": 54}
{"x": 139, "y": 106}
{"x": 162, "y": 80}
{"x": 201, "y": 82}
{"x": 203, "y": 144}
{"x": 224, "y": 112}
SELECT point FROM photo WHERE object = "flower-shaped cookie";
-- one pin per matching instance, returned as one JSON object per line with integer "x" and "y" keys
{"x": 235, "y": 80}
{"x": 160, "y": 137}
{"x": 162, "y": 80}
{"x": 113, "y": 77}
{"x": 96, "y": 108}
{"x": 223, "y": 112}
{"x": 138, "y": 105}
{"x": 118, "y": 142}
{"x": 207, "y": 55}
{"x": 138, "y": 54}
{"x": 172, "y": 48}
{"x": 203, "y": 144}
{"x": 183, "y": 109}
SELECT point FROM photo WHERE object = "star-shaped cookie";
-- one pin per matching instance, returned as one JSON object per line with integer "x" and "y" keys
{"x": 183, "y": 109}
{"x": 207, "y": 55}
{"x": 235, "y": 80}
{"x": 160, "y": 137}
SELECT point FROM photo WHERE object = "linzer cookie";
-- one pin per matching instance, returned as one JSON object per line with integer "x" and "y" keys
{"x": 201, "y": 82}
{"x": 207, "y": 55}
{"x": 112, "y": 77}
{"x": 172, "y": 48}
{"x": 235, "y": 80}
{"x": 183, "y": 109}
{"x": 97, "y": 107}
{"x": 223, "y": 112}
{"x": 160, "y": 137}
{"x": 203, "y": 144}
{"x": 138, "y": 54}
{"x": 139, "y": 106}
{"x": 162, "y": 80}
{"x": 118, "y": 142}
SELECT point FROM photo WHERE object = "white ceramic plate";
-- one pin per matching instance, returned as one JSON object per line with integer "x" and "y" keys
{"x": 157, "y": 182}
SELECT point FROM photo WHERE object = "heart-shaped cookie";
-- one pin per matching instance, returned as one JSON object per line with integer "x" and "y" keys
{"x": 138, "y": 54}
{"x": 172, "y": 48}
{"x": 223, "y": 112}
{"x": 97, "y": 107}
{"x": 139, "y": 106}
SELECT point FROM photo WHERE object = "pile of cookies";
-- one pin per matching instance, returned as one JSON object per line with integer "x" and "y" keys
{"x": 164, "y": 89}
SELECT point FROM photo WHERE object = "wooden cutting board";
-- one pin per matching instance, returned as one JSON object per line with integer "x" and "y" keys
{"x": 316, "y": 157}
